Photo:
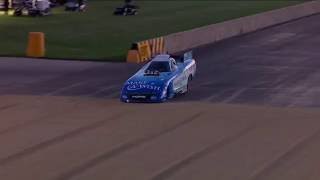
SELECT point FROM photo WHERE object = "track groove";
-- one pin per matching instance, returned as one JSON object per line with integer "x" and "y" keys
{"x": 122, "y": 148}
{"x": 34, "y": 121}
{"x": 284, "y": 156}
{"x": 24, "y": 124}
{"x": 176, "y": 166}
{"x": 8, "y": 106}
{"x": 55, "y": 140}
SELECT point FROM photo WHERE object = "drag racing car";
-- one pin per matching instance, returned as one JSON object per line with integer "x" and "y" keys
{"x": 161, "y": 79}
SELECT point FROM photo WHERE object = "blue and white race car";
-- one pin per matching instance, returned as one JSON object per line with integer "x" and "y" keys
{"x": 160, "y": 79}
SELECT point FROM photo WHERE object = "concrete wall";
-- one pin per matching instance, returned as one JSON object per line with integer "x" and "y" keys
{"x": 182, "y": 41}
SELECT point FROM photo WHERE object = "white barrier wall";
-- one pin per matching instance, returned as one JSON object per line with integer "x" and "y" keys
{"x": 182, "y": 41}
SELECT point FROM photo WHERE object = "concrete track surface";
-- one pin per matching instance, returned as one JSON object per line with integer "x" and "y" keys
{"x": 61, "y": 120}
{"x": 61, "y": 138}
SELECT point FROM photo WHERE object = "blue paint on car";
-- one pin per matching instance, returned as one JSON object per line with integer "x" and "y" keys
{"x": 160, "y": 79}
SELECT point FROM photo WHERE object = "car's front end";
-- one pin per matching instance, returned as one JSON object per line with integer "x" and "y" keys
{"x": 143, "y": 91}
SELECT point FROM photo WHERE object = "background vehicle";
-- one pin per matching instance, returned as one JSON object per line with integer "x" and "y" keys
{"x": 161, "y": 79}
{"x": 75, "y": 5}
{"x": 128, "y": 9}
{"x": 32, "y": 8}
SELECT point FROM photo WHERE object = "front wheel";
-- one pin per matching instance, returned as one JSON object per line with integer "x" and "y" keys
{"x": 170, "y": 92}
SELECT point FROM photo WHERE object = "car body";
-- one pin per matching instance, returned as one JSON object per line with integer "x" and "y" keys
{"x": 160, "y": 79}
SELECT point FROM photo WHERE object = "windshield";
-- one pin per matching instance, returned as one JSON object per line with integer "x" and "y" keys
{"x": 160, "y": 66}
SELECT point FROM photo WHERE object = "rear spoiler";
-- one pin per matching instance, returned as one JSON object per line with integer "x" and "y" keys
{"x": 186, "y": 56}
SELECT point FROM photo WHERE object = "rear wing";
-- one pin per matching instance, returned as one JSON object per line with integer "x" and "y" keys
{"x": 186, "y": 56}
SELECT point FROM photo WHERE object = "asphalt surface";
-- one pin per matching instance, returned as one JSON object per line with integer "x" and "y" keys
{"x": 246, "y": 117}
{"x": 277, "y": 66}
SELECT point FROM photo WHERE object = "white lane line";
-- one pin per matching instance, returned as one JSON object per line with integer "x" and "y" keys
{"x": 106, "y": 88}
{"x": 303, "y": 98}
{"x": 276, "y": 38}
{"x": 213, "y": 96}
{"x": 235, "y": 95}
{"x": 55, "y": 92}
{"x": 281, "y": 36}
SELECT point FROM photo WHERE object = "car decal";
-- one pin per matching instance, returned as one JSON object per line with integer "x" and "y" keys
{"x": 135, "y": 87}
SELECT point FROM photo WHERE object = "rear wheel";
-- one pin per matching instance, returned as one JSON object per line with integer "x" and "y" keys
{"x": 188, "y": 84}
{"x": 46, "y": 12}
{"x": 18, "y": 12}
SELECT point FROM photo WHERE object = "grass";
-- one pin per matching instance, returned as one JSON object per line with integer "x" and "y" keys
{"x": 97, "y": 34}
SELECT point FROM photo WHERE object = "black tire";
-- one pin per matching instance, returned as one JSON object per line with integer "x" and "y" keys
{"x": 46, "y": 12}
{"x": 170, "y": 93}
{"x": 188, "y": 84}
{"x": 18, "y": 13}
